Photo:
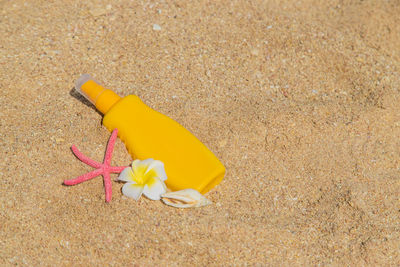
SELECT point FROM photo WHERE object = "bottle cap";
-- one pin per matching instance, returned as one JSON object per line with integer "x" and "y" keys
{"x": 99, "y": 96}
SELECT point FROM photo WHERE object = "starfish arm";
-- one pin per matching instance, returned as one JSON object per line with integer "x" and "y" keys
{"x": 85, "y": 159}
{"x": 84, "y": 177}
{"x": 101, "y": 168}
{"x": 110, "y": 147}
{"x": 107, "y": 186}
{"x": 117, "y": 169}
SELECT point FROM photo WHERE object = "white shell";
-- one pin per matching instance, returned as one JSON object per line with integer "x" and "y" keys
{"x": 186, "y": 198}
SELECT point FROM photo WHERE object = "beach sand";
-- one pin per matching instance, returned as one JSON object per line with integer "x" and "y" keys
{"x": 299, "y": 99}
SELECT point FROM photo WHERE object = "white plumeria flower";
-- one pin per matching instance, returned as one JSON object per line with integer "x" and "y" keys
{"x": 144, "y": 177}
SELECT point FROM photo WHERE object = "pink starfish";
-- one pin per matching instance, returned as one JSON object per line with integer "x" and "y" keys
{"x": 101, "y": 168}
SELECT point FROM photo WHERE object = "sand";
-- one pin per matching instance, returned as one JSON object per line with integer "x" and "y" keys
{"x": 299, "y": 99}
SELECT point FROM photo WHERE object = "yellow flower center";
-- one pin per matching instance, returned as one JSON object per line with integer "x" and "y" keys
{"x": 142, "y": 176}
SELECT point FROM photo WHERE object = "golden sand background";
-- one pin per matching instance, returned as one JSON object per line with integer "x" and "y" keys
{"x": 299, "y": 99}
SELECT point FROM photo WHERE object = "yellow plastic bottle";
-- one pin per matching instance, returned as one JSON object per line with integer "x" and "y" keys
{"x": 150, "y": 134}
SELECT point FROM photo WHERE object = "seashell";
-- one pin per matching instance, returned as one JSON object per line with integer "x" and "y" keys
{"x": 186, "y": 198}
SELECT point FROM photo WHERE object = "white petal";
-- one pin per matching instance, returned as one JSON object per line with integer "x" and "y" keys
{"x": 186, "y": 198}
{"x": 145, "y": 162}
{"x": 127, "y": 175}
{"x": 132, "y": 190}
{"x": 158, "y": 167}
{"x": 154, "y": 189}
{"x": 135, "y": 163}
{"x": 140, "y": 167}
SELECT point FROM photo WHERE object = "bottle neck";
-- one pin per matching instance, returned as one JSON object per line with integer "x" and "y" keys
{"x": 101, "y": 97}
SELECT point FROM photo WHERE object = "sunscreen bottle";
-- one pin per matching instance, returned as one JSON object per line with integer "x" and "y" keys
{"x": 150, "y": 134}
